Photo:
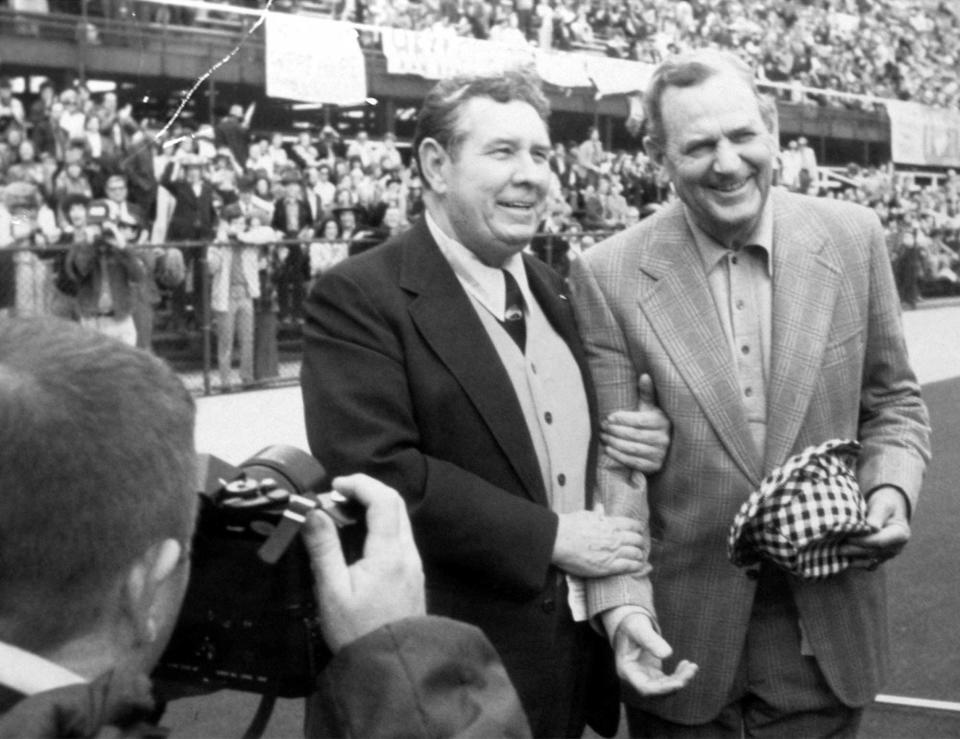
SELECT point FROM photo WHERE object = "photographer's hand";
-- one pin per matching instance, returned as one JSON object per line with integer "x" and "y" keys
{"x": 385, "y": 585}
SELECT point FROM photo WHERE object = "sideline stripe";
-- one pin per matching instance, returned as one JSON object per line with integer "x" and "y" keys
{"x": 897, "y": 700}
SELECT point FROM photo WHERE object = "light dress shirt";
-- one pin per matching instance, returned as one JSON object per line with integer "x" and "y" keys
{"x": 741, "y": 283}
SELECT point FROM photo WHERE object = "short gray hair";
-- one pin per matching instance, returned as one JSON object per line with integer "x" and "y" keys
{"x": 689, "y": 70}
{"x": 441, "y": 107}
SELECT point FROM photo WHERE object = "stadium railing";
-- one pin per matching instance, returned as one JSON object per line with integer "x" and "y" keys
{"x": 184, "y": 330}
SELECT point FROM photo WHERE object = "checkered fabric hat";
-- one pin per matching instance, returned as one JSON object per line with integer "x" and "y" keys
{"x": 802, "y": 512}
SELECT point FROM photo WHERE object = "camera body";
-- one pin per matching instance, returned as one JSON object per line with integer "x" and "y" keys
{"x": 248, "y": 623}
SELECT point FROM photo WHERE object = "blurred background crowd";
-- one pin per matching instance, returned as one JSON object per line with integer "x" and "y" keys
{"x": 300, "y": 201}
{"x": 902, "y": 49}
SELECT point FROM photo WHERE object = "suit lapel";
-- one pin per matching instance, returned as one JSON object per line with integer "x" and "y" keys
{"x": 446, "y": 319}
{"x": 681, "y": 311}
{"x": 805, "y": 283}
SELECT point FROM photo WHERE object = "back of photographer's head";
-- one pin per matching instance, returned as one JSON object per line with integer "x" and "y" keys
{"x": 97, "y": 495}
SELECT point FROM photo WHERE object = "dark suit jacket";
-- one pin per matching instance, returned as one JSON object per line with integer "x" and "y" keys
{"x": 193, "y": 217}
{"x": 401, "y": 381}
{"x": 281, "y": 222}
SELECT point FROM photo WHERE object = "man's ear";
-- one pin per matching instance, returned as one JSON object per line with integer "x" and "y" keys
{"x": 433, "y": 160}
{"x": 143, "y": 588}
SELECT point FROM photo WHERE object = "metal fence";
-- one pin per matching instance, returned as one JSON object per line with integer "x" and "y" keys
{"x": 176, "y": 321}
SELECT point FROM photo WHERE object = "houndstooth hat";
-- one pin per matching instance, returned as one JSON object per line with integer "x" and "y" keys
{"x": 802, "y": 512}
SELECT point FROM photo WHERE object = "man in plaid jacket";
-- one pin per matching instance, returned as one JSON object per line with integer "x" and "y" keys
{"x": 769, "y": 323}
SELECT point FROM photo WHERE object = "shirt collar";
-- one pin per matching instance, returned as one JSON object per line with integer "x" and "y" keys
{"x": 29, "y": 673}
{"x": 483, "y": 282}
{"x": 711, "y": 251}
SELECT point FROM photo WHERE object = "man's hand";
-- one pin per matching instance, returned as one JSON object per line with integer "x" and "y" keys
{"x": 639, "y": 652}
{"x": 385, "y": 585}
{"x": 887, "y": 513}
{"x": 590, "y": 544}
{"x": 638, "y": 439}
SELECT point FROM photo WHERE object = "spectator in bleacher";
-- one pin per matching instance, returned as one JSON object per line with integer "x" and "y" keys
{"x": 589, "y": 157}
{"x": 106, "y": 269}
{"x": 809, "y": 171}
{"x": 233, "y": 261}
{"x": 72, "y": 178}
{"x": 194, "y": 216}
{"x": 223, "y": 176}
{"x": 507, "y": 31}
{"x": 108, "y": 114}
{"x": 304, "y": 153}
{"x": 233, "y": 131}
{"x": 119, "y": 207}
{"x": 278, "y": 156}
{"x": 364, "y": 149}
{"x": 27, "y": 228}
{"x": 11, "y": 109}
{"x": 614, "y": 204}
{"x": 137, "y": 166}
{"x": 590, "y": 208}
{"x": 30, "y": 169}
{"x": 391, "y": 162}
{"x": 908, "y": 264}
{"x": 73, "y": 230}
{"x": 100, "y": 154}
{"x": 291, "y": 218}
{"x": 193, "y": 220}
{"x": 330, "y": 147}
{"x": 790, "y": 165}
{"x": 346, "y": 216}
{"x": 328, "y": 249}
{"x": 311, "y": 178}
{"x": 325, "y": 189}
{"x": 42, "y": 131}
{"x": 72, "y": 119}
{"x": 259, "y": 158}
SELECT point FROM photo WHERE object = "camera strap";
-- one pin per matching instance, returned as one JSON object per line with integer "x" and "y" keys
{"x": 284, "y": 533}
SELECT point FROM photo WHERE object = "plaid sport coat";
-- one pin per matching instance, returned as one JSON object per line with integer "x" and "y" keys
{"x": 839, "y": 368}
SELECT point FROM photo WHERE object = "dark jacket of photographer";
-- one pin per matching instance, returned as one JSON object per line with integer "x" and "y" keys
{"x": 106, "y": 277}
{"x": 419, "y": 677}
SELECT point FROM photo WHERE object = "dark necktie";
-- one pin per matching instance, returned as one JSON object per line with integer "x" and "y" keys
{"x": 513, "y": 321}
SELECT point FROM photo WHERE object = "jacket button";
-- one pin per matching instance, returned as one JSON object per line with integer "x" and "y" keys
{"x": 548, "y": 605}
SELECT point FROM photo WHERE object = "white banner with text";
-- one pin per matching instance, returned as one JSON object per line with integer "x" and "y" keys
{"x": 922, "y": 135}
{"x": 314, "y": 60}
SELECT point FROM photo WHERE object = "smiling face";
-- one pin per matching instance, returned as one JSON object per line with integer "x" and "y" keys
{"x": 719, "y": 155}
{"x": 490, "y": 192}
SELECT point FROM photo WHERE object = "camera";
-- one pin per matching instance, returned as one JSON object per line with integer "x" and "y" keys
{"x": 249, "y": 618}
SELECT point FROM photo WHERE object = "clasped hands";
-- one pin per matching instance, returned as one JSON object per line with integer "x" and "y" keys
{"x": 590, "y": 544}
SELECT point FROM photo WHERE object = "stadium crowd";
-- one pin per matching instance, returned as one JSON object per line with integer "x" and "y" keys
{"x": 902, "y": 49}
{"x": 298, "y": 203}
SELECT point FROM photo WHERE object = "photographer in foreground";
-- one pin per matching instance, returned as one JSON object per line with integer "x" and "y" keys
{"x": 97, "y": 508}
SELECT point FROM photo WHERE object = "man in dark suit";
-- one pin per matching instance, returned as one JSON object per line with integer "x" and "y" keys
{"x": 768, "y": 323}
{"x": 291, "y": 217}
{"x": 447, "y": 364}
{"x": 194, "y": 219}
